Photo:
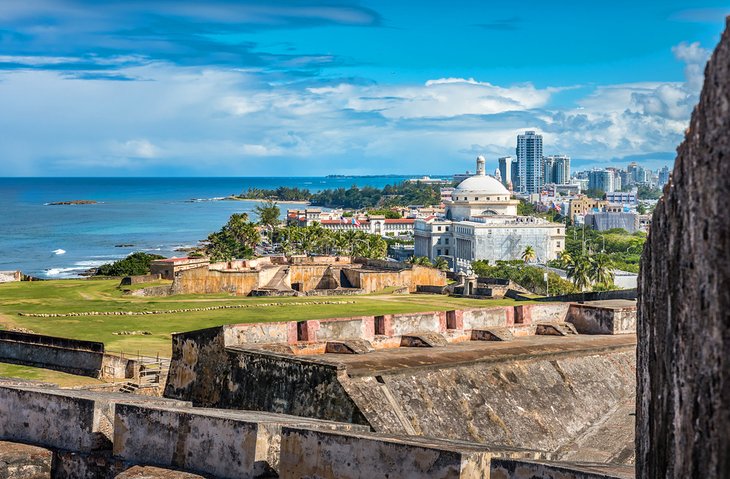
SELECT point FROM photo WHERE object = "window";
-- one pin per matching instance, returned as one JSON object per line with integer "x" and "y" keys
{"x": 558, "y": 244}
{"x": 488, "y": 198}
{"x": 446, "y": 240}
{"x": 476, "y": 198}
{"x": 447, "y": 252}
{"x": 438, "y": 252}
{"x": 438, "y": 228}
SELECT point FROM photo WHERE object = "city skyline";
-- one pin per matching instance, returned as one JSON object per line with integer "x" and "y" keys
{"x": 253, "y": 88}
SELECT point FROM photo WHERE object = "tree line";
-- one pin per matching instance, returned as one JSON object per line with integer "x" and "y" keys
{"x": 402, "y": 194}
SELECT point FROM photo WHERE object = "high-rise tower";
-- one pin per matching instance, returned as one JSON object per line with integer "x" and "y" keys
{"x": 505, "y": 169}
{"x": 529, "y": 159}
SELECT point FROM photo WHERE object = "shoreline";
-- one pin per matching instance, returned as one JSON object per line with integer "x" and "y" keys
{"x": 261, "y": 200}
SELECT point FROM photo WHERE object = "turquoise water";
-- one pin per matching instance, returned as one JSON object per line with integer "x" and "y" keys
{"x": 156, "y": 215}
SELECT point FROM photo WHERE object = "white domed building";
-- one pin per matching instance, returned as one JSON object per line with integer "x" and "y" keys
{"x": 481, "y": 223}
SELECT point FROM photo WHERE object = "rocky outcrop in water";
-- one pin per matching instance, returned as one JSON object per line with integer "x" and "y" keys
{"x": 683, "y": 371}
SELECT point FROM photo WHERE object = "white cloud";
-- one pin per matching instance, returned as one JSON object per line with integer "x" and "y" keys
{"x": 694, "y": 57}
{"x": 242, "y": 123}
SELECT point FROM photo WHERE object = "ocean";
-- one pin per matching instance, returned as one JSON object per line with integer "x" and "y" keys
{"x": 155, "y": 215}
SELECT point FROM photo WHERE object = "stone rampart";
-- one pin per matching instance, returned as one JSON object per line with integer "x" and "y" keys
{"x": 329, "y": 455}
{"x": 225, "y": 444}
{"x": 60, "y": 418}
{"x": 521, "y": 469}
{"x": 84, "y": 358}
{"x": 603, "y": 319}
{"x": 139, "y": 279}
{"x": 10, "y": 276}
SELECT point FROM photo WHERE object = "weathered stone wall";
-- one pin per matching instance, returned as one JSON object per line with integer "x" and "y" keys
{"x": 10, "y": 276}
{"x": 407, "y": 323}
{"x": 683, "y": 416}
{"x": 521, "y": 469}
{"x": 139, "y": 279}
{"x": 83, "y": 358}
{"x": 327, "y": 455}
{"x": 75, "y": 357}
{"x": 202, "y": 280}
{"x": 314, "y": 276}
{"x": 74, "y": 420}
{"x": 589, "y": 319}
{"x": 534, "y": 404}
{"x": 199, "y": 368}
{"x": 261, "y": 381}
{"x": 226, "y": 444}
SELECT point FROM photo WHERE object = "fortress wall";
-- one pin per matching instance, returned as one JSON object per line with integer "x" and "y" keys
{"x": 313, "y": 276}
{"x": 408, "y": 323}
{"x": 199, "y": 366}
{"x": 203, "y": 280}
{"x": 484, "y": 317}
{"x": 83, "y": 358}
{"x": 521, "y": 469}
{"x": 63, "y": 418}
{"x": 226, "y": 444}
{"x": 320, "y": 260}
{"x": 530, "y": 313}
{"x": 362, "y": 327}
{"x": 332, "y": 455}
{"x": 255, "y": 333}
{"x": 371, "y": 280}
{"x": 72, "y": 361}
{"x": 263, "y": 381}
{"x": 50, "y": 420}
{"x": 589, "y": 319}
{"x": 535, "y": 404}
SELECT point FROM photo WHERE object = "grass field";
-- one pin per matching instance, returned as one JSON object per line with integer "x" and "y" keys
{"x": 103, "y": 295}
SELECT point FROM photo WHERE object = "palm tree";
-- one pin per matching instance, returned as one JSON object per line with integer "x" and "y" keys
{"x": 441, "y": 264}
{"x": 601, "y": 270}
{"x": 529, "y": 254}
{"x": 565, "y": 259}
{"x": 579, "y": 271}
{"x": 268, "y": 214}
{"x": 420, "y": 261}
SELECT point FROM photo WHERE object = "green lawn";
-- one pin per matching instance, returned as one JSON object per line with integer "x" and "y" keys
{"x": 45, "y": 375}
{"x": 103, "y": 295}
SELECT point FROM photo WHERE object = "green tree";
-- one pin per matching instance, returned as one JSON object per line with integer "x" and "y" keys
{"x": 441, "y": 264}
{"x": 420, "y": 261}
{"x": 601, "y": 269}
{"x": 133, "y": 265}
{"x": 268, "y": 214}
{"x": 579, "y": 271}
{"x": 236, "y": 240}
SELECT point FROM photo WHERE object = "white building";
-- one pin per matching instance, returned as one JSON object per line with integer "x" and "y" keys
{"x": 481, "y": 223}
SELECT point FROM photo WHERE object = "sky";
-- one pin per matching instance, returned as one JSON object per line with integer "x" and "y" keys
{"x": 309, "y": 88}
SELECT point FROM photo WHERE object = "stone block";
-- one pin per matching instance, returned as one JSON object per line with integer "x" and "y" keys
{"x": 330, "y": 455}
{"x": 20, "y": 461}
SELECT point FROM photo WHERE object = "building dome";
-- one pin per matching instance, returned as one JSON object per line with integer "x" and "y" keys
{"x": 480, "y": 185}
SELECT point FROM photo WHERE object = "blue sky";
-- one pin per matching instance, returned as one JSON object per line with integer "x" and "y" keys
{"x": 247, "y": 88}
